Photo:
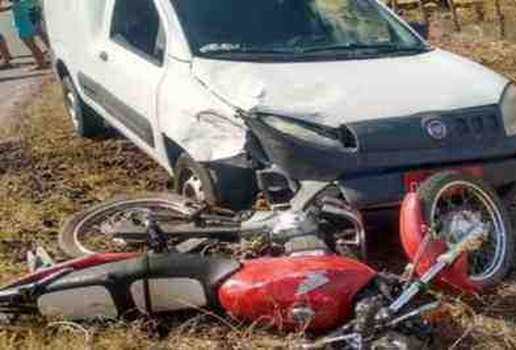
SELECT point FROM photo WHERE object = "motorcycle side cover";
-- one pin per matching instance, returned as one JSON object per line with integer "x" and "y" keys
{"x": 413, "y": 230}
{"x": 268, "y": 290}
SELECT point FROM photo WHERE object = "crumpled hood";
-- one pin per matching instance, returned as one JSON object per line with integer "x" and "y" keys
{"x": 337, "y": 92}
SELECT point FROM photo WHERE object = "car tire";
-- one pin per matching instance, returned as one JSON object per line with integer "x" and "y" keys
{"x": 86, "y": 123}
{"x": 194, "y": 181}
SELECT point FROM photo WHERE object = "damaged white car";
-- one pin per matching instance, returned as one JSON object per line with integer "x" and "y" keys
{"x": 339, "y": 91}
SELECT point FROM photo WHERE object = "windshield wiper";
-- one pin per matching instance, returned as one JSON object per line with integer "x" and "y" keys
{"x": 245, "y": 50}
{"x": 400, "y": 48}
{"x": 359, "y": 47}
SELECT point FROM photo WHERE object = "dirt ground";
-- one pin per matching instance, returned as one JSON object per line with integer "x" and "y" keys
{"x": 46, "y": 174}
{"x": 16, "y": 85}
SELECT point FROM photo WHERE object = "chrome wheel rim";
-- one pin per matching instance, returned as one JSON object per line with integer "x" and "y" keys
{"x": 70, "y": 102}
{"x": 192, "y": 187}
{"x": 461, "y": 204}
{"x": 101, "y": 223}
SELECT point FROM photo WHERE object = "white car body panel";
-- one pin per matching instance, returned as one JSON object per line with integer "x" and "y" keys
{"x": 196, "y": 119}
{"x": 338, "y": 92}
{"x": 193, "y": 101}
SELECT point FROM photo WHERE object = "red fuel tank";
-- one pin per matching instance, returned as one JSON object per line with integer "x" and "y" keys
{"x": 277, "y": 290}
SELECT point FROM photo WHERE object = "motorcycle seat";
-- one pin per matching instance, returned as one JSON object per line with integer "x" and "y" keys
{"x": 166, "y": 277}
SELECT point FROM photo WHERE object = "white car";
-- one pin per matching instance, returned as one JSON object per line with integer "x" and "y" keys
{"x": 337, "y": 90}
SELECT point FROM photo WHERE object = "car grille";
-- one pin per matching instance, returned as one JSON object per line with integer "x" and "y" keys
{"x": 465, "y": 127}
{"x": 475, "y": 124}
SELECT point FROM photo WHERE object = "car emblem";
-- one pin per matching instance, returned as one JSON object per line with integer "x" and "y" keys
{"x": 437, "y": 129}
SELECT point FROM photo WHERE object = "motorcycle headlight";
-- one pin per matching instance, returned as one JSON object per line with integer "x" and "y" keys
{"x": 306, "y": 132}
{"x": 508, "y": 107}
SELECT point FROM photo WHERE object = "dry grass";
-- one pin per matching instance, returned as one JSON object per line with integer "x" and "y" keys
{"x": 47, "y": 174}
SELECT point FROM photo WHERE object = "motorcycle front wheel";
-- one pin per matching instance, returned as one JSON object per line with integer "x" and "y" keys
{"x": 452, "y": 202}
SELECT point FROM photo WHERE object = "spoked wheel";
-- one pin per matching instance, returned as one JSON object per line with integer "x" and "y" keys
{"x": 90, "y": 231}
{"x": 453, "y": 205}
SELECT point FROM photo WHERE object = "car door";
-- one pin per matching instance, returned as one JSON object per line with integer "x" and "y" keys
{"x": 127, "y": 68}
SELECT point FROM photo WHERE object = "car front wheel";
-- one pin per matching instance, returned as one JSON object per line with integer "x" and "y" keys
{"x": 192, "y": 180}
{"x": 84, "y": 120}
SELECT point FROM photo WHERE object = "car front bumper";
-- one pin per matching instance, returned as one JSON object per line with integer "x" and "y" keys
{"x": 375, "y": 175}
{"x": 388, "y": 189}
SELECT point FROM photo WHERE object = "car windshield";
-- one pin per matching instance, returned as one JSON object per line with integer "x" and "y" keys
{"x": 224, "y": 28}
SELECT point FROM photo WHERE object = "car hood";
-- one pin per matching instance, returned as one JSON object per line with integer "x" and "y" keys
{"x": 337, "y": 92}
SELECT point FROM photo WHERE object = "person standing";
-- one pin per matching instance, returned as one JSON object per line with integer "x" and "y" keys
{"x": 28, "y": 21}
{"x": 6, "y": 54}
{"x": 4, "y": 49}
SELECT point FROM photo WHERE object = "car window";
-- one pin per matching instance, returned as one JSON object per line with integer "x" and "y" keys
{"x": 352, "y": 21}
{"x": 293, "y": 27}
{"x": 136, "y": 25}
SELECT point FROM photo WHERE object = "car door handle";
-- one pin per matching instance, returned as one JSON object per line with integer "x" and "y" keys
{"x": 103, "y": 56}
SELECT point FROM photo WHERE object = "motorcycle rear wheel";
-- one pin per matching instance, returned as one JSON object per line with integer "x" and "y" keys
{"x": 82, "y": 235}
{"x": 451, "y": 196}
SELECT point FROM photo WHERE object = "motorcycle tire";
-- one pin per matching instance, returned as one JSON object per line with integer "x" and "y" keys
{"x": 436, "y": 188}
{"x": 69, "y": 240}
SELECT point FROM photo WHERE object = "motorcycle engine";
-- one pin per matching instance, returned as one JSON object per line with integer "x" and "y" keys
{"x": 298, "y": 232}
{"x": 291, "y": 233}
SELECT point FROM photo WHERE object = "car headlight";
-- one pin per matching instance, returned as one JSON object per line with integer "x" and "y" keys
{"x": 306, "y": 132}
{"x": 508, "y": 107}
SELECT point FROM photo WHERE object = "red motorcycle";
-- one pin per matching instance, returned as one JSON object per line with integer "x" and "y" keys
{"x": 454, "y": 230}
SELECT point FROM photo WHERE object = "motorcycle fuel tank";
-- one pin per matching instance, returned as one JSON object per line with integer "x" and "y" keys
{"x": 309, "y": 292}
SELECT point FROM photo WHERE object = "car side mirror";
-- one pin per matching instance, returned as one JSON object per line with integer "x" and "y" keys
{"x": 421, "y": 28}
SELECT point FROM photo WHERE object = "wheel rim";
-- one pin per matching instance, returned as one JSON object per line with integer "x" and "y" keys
{"x": 70, "y": 103}
{"x": 192, "y": 187}
{"x": 461, "y": 204}
{"x": 92, "y": 228}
